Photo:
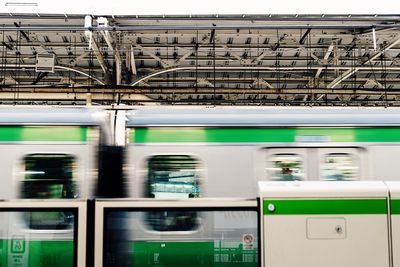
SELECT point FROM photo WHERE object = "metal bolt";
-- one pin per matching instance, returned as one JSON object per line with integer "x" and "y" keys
{"x": 339, "y": 229}
{"x": 271, "y": 207}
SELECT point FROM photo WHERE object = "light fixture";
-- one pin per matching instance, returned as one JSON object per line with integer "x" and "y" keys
{"x": 374, "y": 37}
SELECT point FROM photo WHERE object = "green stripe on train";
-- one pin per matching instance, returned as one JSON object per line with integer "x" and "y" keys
{"x": 43, "y": 133}
{"x": 283, "y": 135}
{"x": 395, "y": 206}
{"x": 193, "y": 254}
{"x": 324, "y": 206}
{"x": 43, "y": 253}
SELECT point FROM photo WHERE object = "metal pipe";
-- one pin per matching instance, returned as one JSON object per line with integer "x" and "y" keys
{"x": 201, "y": 27}
{"x": 3, "y": 66}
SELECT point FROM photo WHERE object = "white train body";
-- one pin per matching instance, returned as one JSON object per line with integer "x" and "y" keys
{"x": 47, "y": 154}
{"x": 233, "y": 148}
{"x": 175, "y": 153}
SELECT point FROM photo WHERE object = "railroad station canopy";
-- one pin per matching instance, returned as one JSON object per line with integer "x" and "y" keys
{"x": 180, "y": 52}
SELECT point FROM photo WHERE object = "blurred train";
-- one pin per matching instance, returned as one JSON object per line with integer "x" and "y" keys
{"x": 223, "y": 152}
{"x": 46, "y": 154}
{"x": 178, "y": 153}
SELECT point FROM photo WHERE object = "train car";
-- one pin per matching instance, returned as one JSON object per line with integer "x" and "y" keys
{"x": 184, "y": 152}
{"x": 46, "y": 153}
{"x": 222, "y": 152}
{"x": 50, "y": 152}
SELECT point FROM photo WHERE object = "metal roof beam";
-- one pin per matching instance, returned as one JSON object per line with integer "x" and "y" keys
{"x": 130, "y": 61}
{"x": 264, "y": 53}
{"x": 191, "y": 90}
{"x": 102, "y": 24}
{"x": 273, "y": 26}
{"x": 98, "y": 55}
{"x": 75, "y": 61}
{"x": 236, "y": 56}
{"x": 261, "y": 81}
{"x": 350, "y": 72}
{"x": 164, "y": 63}
{"x": 303, "y": 38}
{"x": 311, "y": 54}
{"x": 326, "y": 56}
{"x": 39, "y": 77}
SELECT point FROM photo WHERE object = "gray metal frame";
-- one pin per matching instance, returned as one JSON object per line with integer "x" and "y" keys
{"x": 82, "y": 219}
{"x": 102, "y": 204}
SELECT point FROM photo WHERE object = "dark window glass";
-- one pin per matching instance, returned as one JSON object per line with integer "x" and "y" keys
{"x": 173, "y": 176}
{"x": 48, "y": 176}
{"x": 21, "y": 248}
{"x": 228, "y": 238}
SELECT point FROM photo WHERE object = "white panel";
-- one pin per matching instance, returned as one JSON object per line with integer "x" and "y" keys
{"x": 366, "y": 244}
{"x": 384, "y": 162}
{"x": 44, "y": 63}
{"x": 326, "y": 228}
{"x": 221, "y": 175}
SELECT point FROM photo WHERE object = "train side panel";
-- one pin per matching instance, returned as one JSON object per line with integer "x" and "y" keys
{"x": 223, "y": 171}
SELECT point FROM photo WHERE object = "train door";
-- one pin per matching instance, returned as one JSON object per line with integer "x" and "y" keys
{"x": 316, "y": 163}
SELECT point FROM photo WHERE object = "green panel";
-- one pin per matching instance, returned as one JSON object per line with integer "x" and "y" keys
{"x": 44, "y": 253}
{"x": 42, "y": 133}
{"x": 325, "y": 206}
{"x": 283, "y": 135}
{"x": 51, "y": 253}
{"x": 191, "y": 254}
{"x": 395, "y": 206}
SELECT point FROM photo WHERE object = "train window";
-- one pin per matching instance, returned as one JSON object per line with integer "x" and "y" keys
{"x": 173, "y": 176}
{"x": 48, "y": 176}
{"x": 340, "y": 166}
{"x": 230, "y": 239}
{"x": 285, "y": 167}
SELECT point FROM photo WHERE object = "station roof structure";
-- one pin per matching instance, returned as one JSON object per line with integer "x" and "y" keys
{"x": 265, "y": 59}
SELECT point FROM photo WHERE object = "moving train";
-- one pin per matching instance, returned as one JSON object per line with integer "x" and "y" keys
{"x": 46, "y": 154}
{"x": 177, "y": 153}
{"x": 225, "y": 151}
{"x": 185, "y": 152}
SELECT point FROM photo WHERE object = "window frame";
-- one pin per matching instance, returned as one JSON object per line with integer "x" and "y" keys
{"x": 104, "y": 206}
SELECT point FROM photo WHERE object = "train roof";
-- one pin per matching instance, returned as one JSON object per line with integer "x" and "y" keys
{"x": 49, "y": 116}
{"x": 262, "y": 116}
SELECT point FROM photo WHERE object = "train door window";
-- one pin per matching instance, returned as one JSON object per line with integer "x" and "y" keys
{"x": 285, "y": 167}
{"x": 173, "y": 176}
{"x": 340, "y": 167}
{"x": 48, "y": 176}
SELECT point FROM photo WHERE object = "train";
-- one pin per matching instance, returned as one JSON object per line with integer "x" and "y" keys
{"x": 175, "y": 153}
{"x": 241, "y": 146}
